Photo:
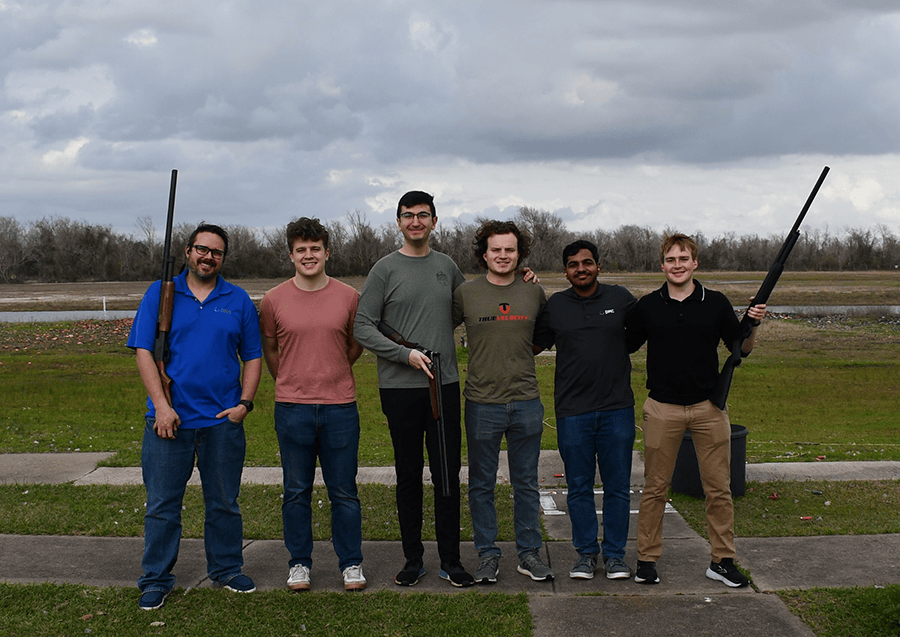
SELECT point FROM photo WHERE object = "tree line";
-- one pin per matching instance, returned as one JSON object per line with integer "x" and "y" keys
{"x": 60, "y": 250}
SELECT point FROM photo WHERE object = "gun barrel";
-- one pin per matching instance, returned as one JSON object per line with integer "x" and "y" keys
{"x": 723, "y": 382}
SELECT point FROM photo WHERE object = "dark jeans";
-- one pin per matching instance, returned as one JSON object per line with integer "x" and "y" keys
{"x": 331, "y": 433}
{"x": 167, "y": 466}
{"x": 408, "y": 412}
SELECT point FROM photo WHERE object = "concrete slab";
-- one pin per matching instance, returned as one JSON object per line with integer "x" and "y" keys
{"x": 47, "y": 468}
{"x": 717, "y": 615}
{"x": 828, "y": 561}
{"x": 104, "y": 561}
{"x": 844, "y": 470}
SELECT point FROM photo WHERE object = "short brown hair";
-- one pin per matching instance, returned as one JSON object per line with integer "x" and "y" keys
{"x": 677, "y": 239}
{"x": 306, "y": 229}
{"x": 489, "y": 228}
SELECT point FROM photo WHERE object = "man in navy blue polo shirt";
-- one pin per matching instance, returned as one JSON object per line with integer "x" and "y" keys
{"x": 594, "y": 406}
{"x": 215, "y": 326}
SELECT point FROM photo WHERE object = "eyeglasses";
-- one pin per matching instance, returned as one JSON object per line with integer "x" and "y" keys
{"x": 422, "y": 216}
{"x": 203, "y": 251}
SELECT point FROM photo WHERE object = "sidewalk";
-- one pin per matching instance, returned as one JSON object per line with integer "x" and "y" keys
{"x": 685, "y": 602}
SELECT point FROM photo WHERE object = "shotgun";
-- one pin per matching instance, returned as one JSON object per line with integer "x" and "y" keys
{"x": 161, "y": 351}
{"x": 723, "y": 383}
{"x": 437, "y": 401}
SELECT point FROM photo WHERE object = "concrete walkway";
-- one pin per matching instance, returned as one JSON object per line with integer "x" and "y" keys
{"x": 685, "y": 602}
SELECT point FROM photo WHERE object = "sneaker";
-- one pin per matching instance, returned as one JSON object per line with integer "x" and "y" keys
{"x": 646, "y": 573}
{"x": 616, "y": 568}
{"x": 151, "y": 600}
{"x": 412, "y": 571}
{"x": 240, "y": 583}
{"x": 454, "y": 573}
{"x": 727, "y": 573}
{"x": 532, "y": 566}
{"x": 354, "y": 580}
{"x": 585, "y": 566}
{"x": 298, "y": 578}
{"x": 488, "y": 568}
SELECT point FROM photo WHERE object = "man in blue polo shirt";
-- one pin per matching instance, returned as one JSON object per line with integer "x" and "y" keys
{"x": 214, "y": 327}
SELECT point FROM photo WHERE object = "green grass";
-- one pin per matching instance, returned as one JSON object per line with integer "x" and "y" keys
{"x": 781, "y": 509}
{"x": 118, "y": 511}
{"x": 47, "y": 609}
{"x": 848, "y": 612}
{"x": 810, "y": 389}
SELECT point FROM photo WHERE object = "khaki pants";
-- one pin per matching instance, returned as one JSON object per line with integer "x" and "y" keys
{"x": 664, "y": 426}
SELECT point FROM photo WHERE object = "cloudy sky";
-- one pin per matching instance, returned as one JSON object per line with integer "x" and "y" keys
{"x": 697, "y": 115}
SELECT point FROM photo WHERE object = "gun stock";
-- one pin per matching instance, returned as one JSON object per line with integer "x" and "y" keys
{"x": 723, "y": 382}
{"x": 161, "y": 351}
{"x": 437, "y": 399}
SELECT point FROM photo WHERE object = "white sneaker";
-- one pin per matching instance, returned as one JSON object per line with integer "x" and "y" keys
{"x": 354, "y": 580}
{"x": 298, "y": 580}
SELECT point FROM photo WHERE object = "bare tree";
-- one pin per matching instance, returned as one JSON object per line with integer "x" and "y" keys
{"x": 549, "y": 237}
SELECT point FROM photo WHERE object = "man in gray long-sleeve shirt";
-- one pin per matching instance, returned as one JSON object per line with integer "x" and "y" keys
{"x": 412, "y": 291}
{"x": 594, "y": 406}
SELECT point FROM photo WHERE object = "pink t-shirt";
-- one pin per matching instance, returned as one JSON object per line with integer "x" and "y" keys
{"x": 314, "y": 331}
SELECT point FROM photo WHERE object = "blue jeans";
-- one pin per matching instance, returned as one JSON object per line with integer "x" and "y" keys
{"x": 523, "y": 423}
{"x": 330, "y": 432}
{"x": 167, "y": 467}
{"x": 603, "y": 439}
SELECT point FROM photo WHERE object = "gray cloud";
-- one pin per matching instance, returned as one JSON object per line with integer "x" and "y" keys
{"x": 277, "y": 109}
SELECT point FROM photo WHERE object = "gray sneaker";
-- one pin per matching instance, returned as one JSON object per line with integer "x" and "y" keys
{"x": 616, "y": 568}
{"x": 585, "y": 566}
{"x": 488, "y": 568}
{"x": 532, "y": 566}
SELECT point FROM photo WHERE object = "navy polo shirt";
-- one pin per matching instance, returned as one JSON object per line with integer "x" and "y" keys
{"x": 593, "y": 370}
{"x": 208, "y": 341}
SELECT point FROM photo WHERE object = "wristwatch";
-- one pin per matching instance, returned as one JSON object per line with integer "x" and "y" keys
{"x": 246, "y": 403}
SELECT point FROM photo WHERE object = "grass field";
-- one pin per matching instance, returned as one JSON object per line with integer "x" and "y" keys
{"x": 815, "y": 388}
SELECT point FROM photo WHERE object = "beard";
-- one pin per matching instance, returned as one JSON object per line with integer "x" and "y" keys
{"x": 204, "y": 276}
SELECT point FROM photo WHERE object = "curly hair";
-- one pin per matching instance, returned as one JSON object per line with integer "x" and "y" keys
{"x": 489, "y": 228}
{"x": 306, "y": 229}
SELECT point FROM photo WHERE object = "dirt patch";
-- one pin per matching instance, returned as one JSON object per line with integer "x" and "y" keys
{"x": 794, "y": 288}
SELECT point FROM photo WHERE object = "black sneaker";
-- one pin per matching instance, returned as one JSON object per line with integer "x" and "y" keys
{"x": 646, "y": 573}
{"x": 412, "y": 571}
{"x": 454, "y": 573}
{"x": 727, "y": 573}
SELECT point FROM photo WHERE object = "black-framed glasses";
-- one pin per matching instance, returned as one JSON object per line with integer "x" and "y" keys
{"x": 422, "y": 216}
{"x": 203, "y": 251}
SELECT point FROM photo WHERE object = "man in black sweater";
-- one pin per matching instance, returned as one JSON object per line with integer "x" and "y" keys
{"x": 682, "y": 323}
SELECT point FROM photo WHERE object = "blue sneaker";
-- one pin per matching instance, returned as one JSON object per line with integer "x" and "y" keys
{"x": 240, "y": 583}
{"x": 151, "y": 600}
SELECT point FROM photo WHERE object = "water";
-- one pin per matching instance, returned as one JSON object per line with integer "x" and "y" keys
{"x": 73, "y": 315}
{"x": 101, "y": 315}
{"x": 830, "y": 310}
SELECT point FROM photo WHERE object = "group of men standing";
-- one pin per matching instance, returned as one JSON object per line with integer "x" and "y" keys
{"x": 313, "y": 328}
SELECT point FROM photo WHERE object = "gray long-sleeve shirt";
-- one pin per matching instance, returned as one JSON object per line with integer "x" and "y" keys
{"x": 414, "y": 295}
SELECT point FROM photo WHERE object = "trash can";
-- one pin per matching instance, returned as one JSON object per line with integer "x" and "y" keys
{"x": 686, "y": 477}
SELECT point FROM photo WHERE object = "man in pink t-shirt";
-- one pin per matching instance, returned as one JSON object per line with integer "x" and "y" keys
{"x": 307, "y": 335}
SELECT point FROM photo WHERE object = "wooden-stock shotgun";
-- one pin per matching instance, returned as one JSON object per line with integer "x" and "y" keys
{"x": 723, "y": 383}
{"x": 437, "y": 399}
{"x": 166, "y": 299}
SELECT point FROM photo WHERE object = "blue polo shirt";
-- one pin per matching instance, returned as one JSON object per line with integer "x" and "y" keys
{"x": 207, "y": 342}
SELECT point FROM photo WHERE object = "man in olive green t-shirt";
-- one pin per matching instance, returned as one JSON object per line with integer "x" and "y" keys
{"x": 502, "y": 398}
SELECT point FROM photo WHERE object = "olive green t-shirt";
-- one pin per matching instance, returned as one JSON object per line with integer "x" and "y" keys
{"x": 499, "y": 324}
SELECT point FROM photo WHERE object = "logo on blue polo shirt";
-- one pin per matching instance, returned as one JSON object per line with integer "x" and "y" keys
{"x": 223, "y": 309}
